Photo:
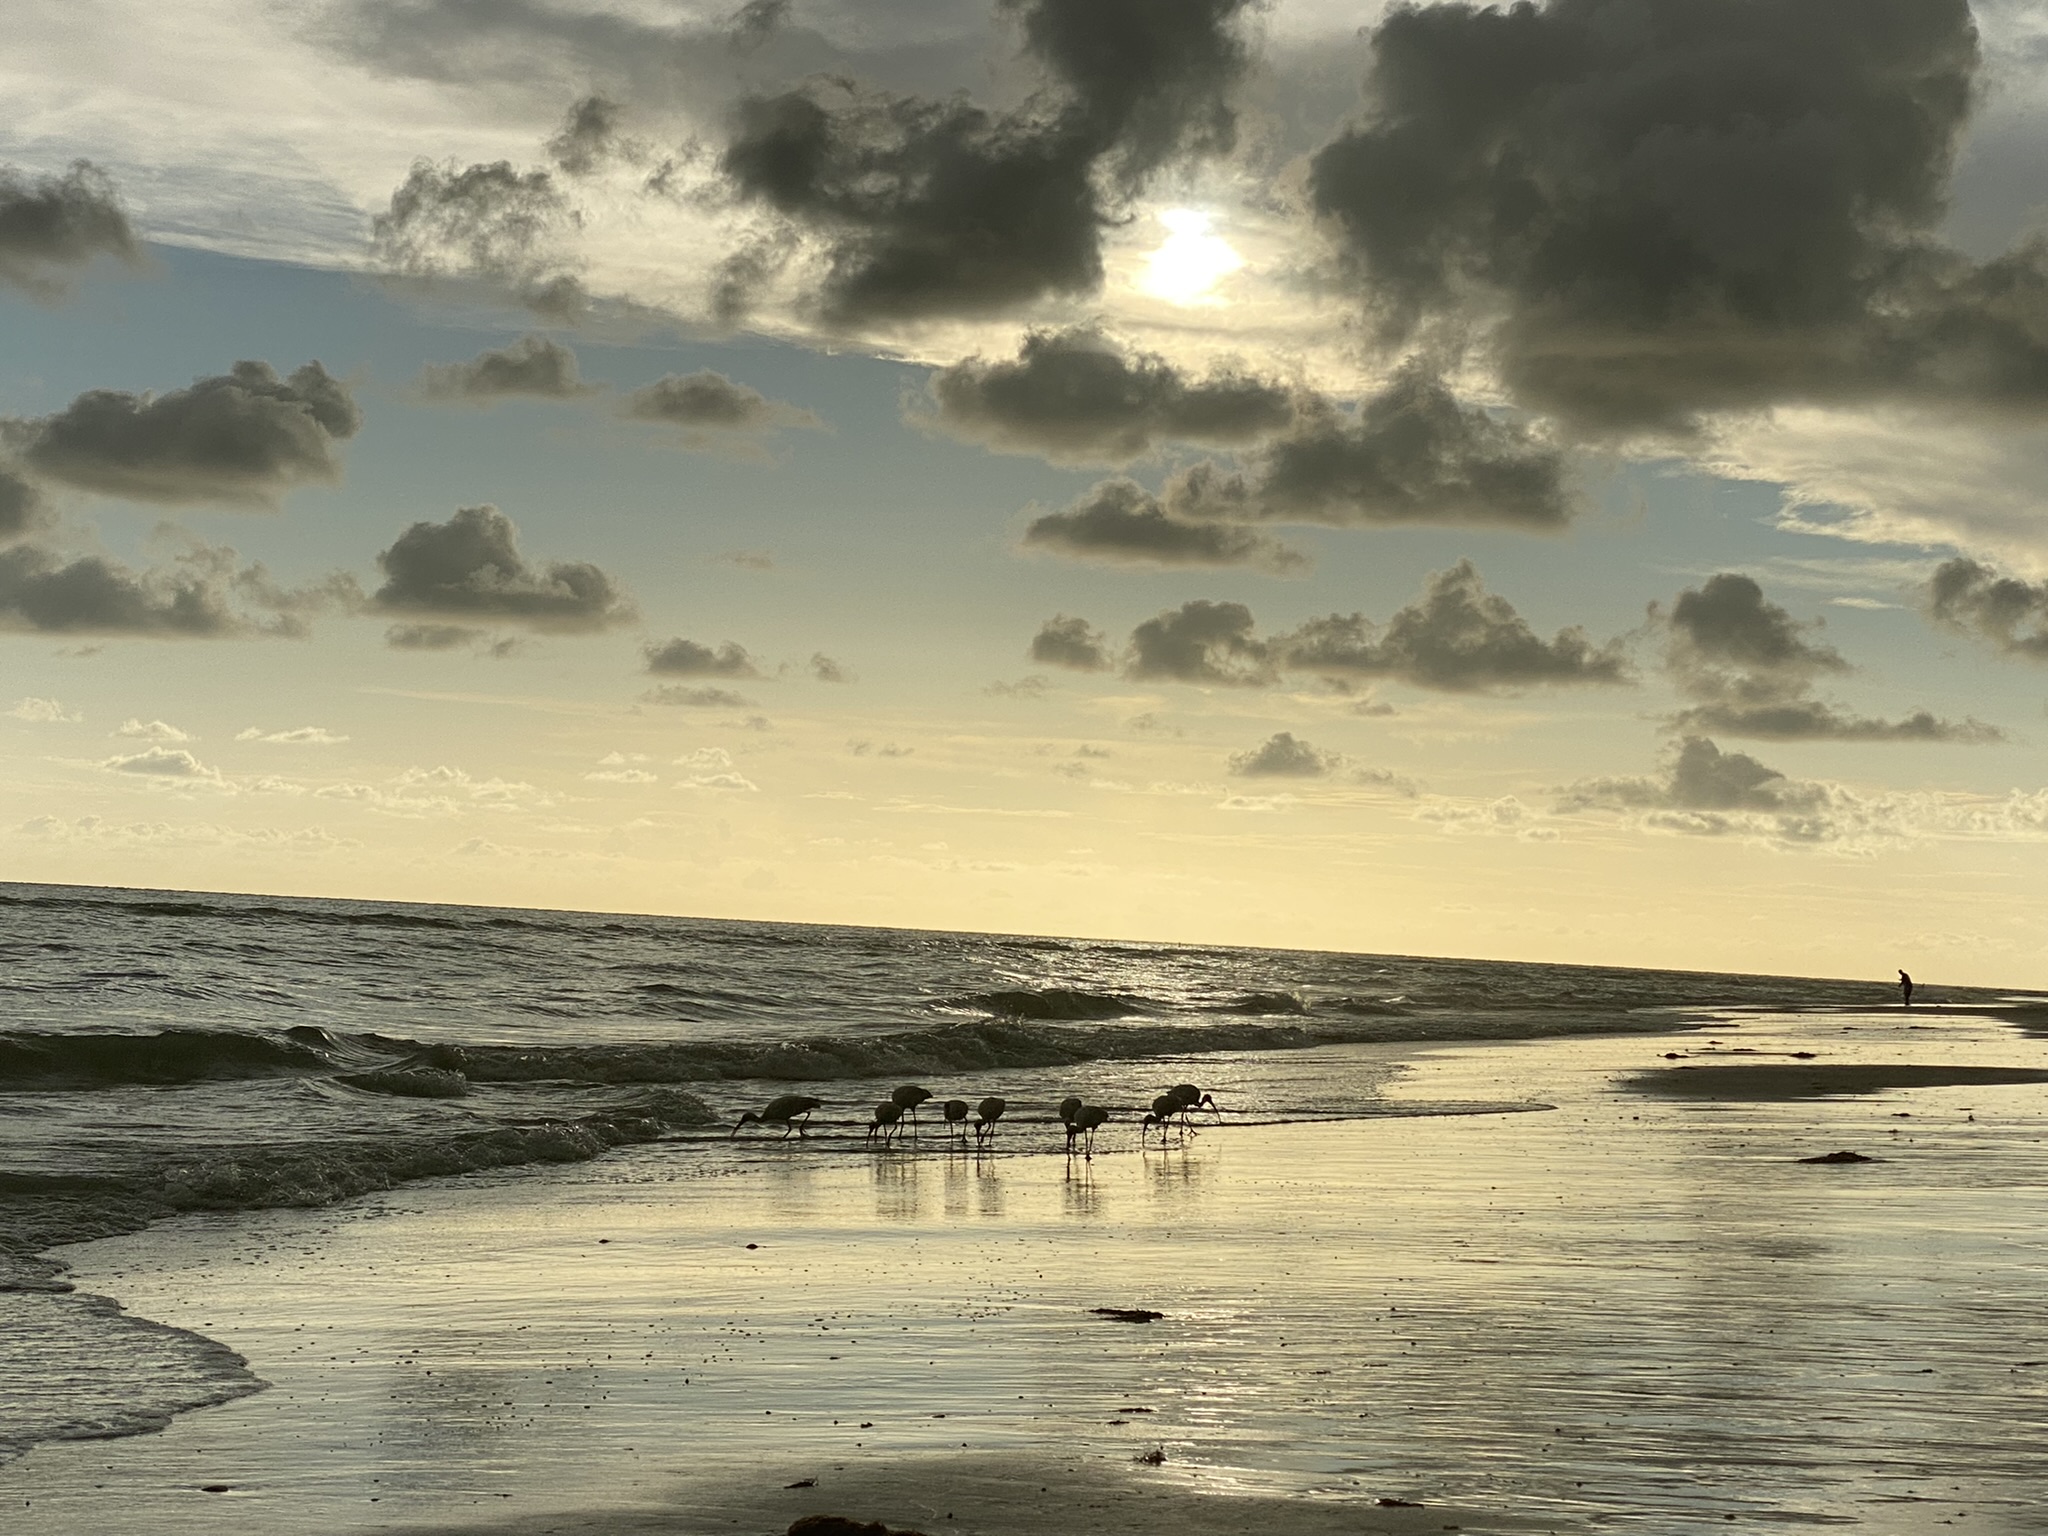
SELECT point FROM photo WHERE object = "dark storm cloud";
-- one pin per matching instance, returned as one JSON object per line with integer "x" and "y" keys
{"x": 1697, "y": 776}
{"x": 533, "y": 366}
{"x": 1118, "y": 523}
{"x": 688, "y": 658}
{"x": 1280, "y": 756}
{"x": 245, "y": 436}
{"x": 470, "y": 569}
{"x": 1457, "y": 638}
{"x": 21, "y": 507}
{"x": 487, "y": 221}
{"x": 204, "y": 593}
{"x": 1656, "y": 210}
{"x": 930, "y": 207}
{"x": 1412, "y": 454}
{"x": 1201, "y": 642}
{"x": 589, "y": 138}
{"x": 1076, "y": 397}
{"x": 50, "y": 226}
{"x": 1063, "y": 641}
{"x": 1751, "y": 668}
{"x": 710, "y": 402}
{"x": 2002, "y": 611}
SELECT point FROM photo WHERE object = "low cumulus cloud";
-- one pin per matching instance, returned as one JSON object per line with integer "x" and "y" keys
{"x": 1077, "y": 397}
{"x": 51, "y": 226}
{"x": 1457, "y": 638}
{"x": 22, "y": 509}
{"x": 533, "y": 367}
{"x": 1654, "y": 211}
{"x": 1751, "y": 670}
{"x": 689, "y": 658}
{"x": 37, "y": 711}
{"x": 913, "y": 208}
{"x": 244, "y": 438}
{"x": 2003, "y": 612}
{"x": 135, "y": 729}
{"x": 708, "y": 408}
{"x": 1064, "y": 641}
{"x": 1697, "y": 776}
{"x": 825, "y": 670}
{"x": 1411, "y": 454}
{"x": 201, "y": 592}
{"x": 296, "y": 736}
{"x": 1202, "y": 642}
{"x": 697, "y": 698}
{"x": 469, "y": 570}
{"x": 163, "y": 763}
{"x": 1281, "y": 756}
{"x": 1120, "y": 523}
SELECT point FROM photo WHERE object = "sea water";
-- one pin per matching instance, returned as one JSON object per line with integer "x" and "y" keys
{"x": 166, "y": 1052}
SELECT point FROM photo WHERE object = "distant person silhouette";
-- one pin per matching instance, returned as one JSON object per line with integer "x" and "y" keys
{"x": 1906, "y": 988}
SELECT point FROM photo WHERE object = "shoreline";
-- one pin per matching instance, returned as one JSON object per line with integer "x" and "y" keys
{"x": 616, "y": 1241}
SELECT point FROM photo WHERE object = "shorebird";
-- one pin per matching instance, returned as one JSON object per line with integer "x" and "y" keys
{"x": 1191, "y": 1098}
{"x": 1069, "y": 1108}
{"x": 955, "y": 1111}
{"x": 986, "y": 1114}
{"x": 1088, "y": 1121}
{"x": 790, "y": 1111}
{"x": 1164, "y": 1108}
{"x": 907, "y": 1098}
{"x": 887, "y": 1114}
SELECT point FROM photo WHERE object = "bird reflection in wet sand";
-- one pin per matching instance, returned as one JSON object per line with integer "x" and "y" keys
{"x": 790, "y": 1111}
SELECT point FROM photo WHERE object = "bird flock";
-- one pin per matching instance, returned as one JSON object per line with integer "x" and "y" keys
{"x": 1170, "y": 1115}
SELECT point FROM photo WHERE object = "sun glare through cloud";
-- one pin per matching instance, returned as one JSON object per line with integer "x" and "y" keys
{"x": 1191, "y": 262}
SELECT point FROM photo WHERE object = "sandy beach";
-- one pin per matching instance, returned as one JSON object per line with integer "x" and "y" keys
{"x": 1632, "y": 1308}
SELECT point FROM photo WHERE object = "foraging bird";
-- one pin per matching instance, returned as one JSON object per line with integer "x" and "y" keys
{"x": 955, "y": 1111}
{"x": 1088, "y": 1121}
{"x": 907, "y": 1098}
{"x": 1192, "y": 1097}
{"x": 986, "y": 1114}
{"x": 790, "y": 1111}
{"x": 887, "y": 1114}
{"x": 1164, "y": 1108}
{"x": 1069, "y": 1108}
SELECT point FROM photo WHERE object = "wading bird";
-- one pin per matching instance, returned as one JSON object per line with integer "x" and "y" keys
{"x": 887, "y": 1114}
{"x": 789, "y": 1111}
{"x": 955, "y": 1111}
{"x": 1069, "y": 1108}
{"x": 1088, "y": 1121}
{"x": 986, "y": 1114}
{"x": 1192, "y": 1098}
{"x": 907, "y": 1098}
{"x": 1164, "y": 1108}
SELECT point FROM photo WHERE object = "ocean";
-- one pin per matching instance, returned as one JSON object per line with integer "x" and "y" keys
{"x": 165, "y": 1052}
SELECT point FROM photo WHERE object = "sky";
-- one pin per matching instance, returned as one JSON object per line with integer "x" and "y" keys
{"x": 1561, "y": 483}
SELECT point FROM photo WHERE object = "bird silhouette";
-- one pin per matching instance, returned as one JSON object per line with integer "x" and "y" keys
{"x": 986, "y": 1114}
{"x": 1162, "y": 1113}
{"x": 907, "y": 1098}
{"x": 888, "y": 1114}
{"x": 955, "y": 1111}
{"x": 1088, "y": 1121}
{"x": 1192, "y": 1098}
{"x": 790, "y": 1111}
{"x": 1069, "y": 1108}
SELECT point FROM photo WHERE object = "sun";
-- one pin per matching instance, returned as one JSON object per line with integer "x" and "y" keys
{"x": 1191, "y": 261}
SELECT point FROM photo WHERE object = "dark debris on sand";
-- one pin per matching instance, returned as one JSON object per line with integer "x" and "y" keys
{"x": 840, "y": 1525}
{"x": 1839, "y": 1157}
{"x": 1128, "y": 1314}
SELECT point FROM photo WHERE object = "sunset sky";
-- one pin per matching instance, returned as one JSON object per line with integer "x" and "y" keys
{"x": 1562, "y": 483}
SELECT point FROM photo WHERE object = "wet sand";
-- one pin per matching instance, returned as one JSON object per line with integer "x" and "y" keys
{"x": 1636, "y": 1309}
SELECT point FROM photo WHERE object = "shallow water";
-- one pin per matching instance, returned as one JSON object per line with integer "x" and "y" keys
{"x": 1625, "y": 1311}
